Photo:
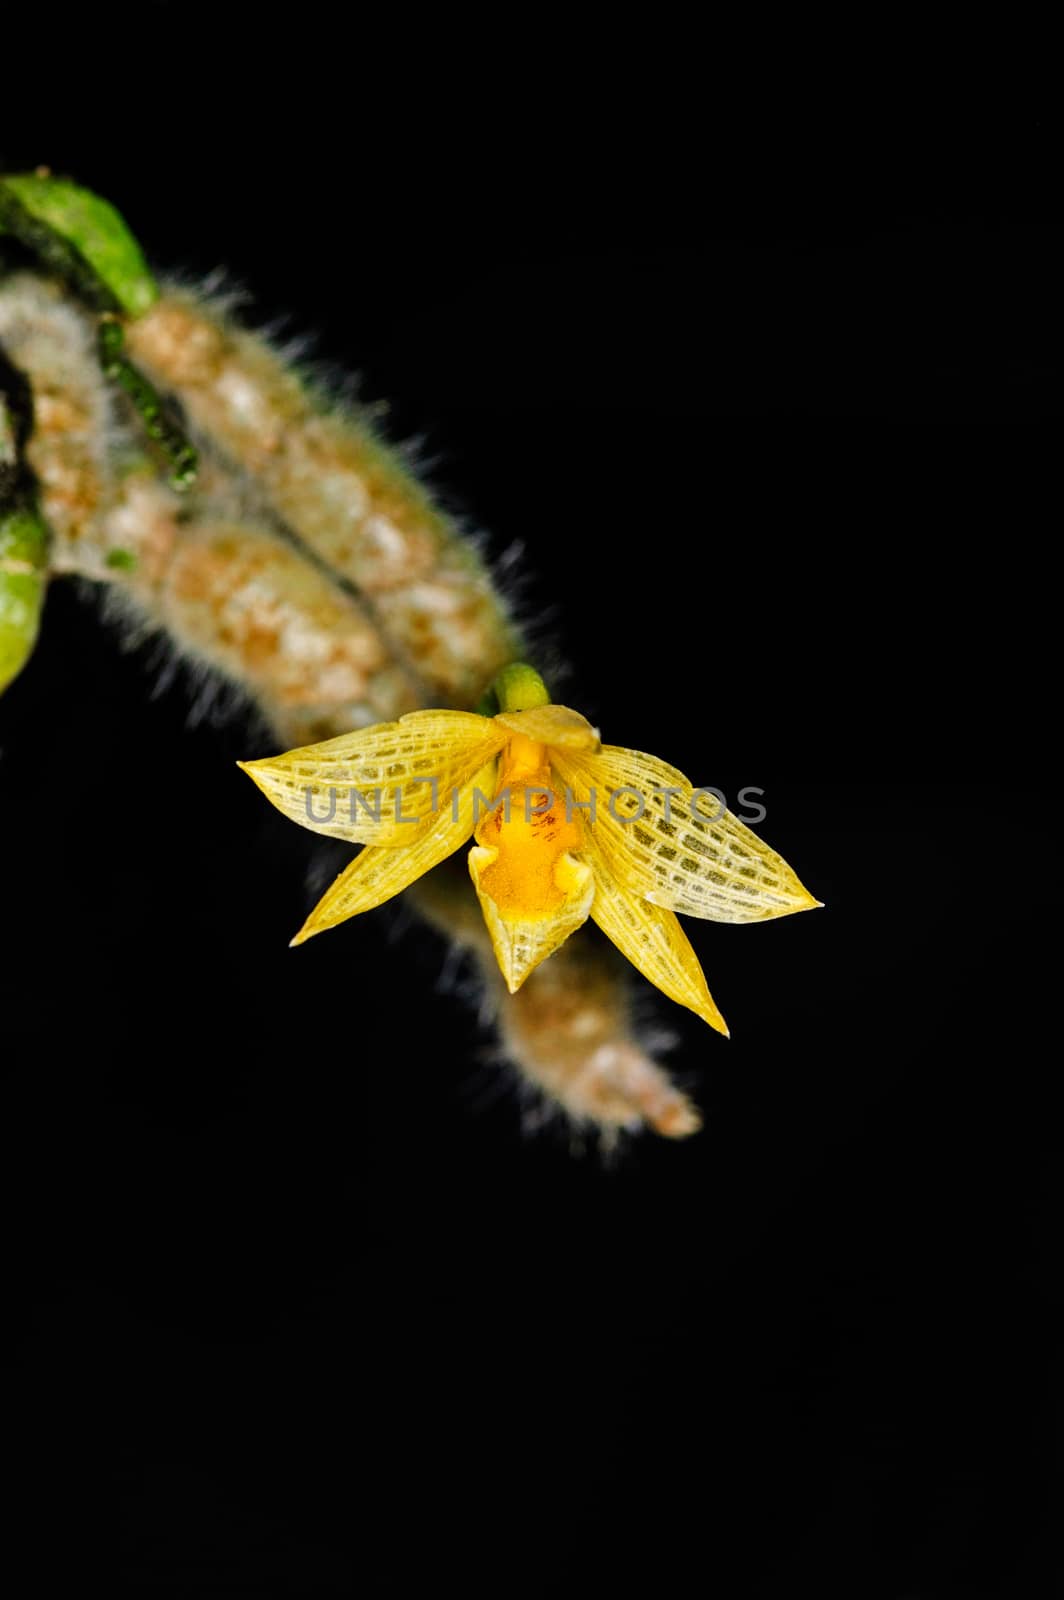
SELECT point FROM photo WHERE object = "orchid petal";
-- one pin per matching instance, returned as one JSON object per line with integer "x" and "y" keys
{"x": 652, "y": 939}
{"x": 379, "y": 785}
{"x": 379, "y": 872}
{"x": 683, "y": 850}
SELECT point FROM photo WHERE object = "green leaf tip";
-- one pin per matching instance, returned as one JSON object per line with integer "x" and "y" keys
{"x": 72, "y": 229}
{"x": 23, "y": 564}
{"x": 519, "y": 687}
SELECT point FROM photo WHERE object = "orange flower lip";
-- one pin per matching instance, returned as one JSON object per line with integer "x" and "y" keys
{"x": 532, "y": 890}
{"x": 529, "y": 834}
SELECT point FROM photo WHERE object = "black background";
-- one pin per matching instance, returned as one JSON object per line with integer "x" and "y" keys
{"x": 768, "y": 394}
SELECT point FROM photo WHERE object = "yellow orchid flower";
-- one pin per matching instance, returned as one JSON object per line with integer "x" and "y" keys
{"x": 565, "y": 828}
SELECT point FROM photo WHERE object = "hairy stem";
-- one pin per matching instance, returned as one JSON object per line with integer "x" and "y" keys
{"x": 345, "y": 495}
{"x": 305, "y": 564}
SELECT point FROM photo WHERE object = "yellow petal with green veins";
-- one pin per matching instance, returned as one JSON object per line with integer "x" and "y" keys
{"x": 675, "y": 846}
{"x": 653, "y": 941}
{"x": 380, "y": 872}
{"x": 380, "y": 784}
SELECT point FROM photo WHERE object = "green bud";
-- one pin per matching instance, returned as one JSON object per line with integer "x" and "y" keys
{"x": 72, "y": 229}
{"x": 519, "y": 687}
